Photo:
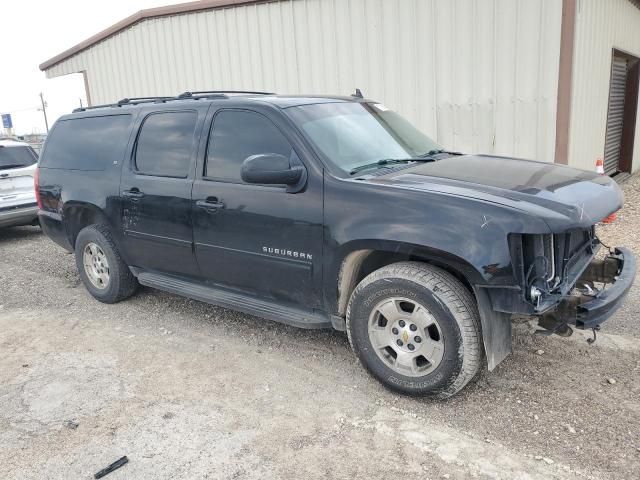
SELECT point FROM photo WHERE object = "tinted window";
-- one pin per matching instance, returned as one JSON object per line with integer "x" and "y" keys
{"x": 16, "y": 157}
{"x": 237, "y": 135}
{"x": 165, "y": 144}
{"x": 91, "y": 143}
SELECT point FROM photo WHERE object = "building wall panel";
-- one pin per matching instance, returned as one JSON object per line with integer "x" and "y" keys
{"x": 601, "y": 26}
{"x": 477, "y": 75}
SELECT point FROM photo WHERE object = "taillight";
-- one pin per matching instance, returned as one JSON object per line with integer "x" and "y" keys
{"x": 36, "y": 184}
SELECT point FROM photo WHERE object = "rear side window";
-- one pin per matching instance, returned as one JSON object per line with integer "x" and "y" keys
{"x": 91, "y": 143}
{"x": 165, "y": 144}
{"x": 16, "y": 157}
{"x": 237, "y": 135}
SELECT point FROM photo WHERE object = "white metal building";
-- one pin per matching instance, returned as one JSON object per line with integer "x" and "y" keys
{"x": 554, "y": 80}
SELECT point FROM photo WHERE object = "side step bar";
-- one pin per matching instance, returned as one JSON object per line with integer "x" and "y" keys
{"x": 296, "y": 317}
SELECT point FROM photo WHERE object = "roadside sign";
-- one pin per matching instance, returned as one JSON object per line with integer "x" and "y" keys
{"x": 6, "y": 120}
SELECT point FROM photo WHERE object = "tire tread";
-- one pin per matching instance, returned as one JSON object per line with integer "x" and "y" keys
{"x": 458, "y": 299}
{"x": 126, "y": 283}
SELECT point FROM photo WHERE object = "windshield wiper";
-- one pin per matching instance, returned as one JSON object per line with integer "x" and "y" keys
{"x": 388, "y": 161}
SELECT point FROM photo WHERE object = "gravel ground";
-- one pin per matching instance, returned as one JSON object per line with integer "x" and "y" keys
{"x": 625, "y": 231}
{"x": 187, "y": 390}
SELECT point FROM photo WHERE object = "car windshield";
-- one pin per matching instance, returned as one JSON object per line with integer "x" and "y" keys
{"x": 16, "y": 157}
{"x": 351, "y": 135}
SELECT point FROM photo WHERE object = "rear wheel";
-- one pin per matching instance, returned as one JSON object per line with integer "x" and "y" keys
{"x": 102, "y": 270}
{"x": 416, "y": 328}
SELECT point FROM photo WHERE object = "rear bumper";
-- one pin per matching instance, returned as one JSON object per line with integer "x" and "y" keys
{"x": 19, "y": 215}
{"x": 597, "y": 309}
{"x": 52, "y": 226}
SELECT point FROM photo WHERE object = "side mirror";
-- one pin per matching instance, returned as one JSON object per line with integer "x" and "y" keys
{"x": 271, "y": 169}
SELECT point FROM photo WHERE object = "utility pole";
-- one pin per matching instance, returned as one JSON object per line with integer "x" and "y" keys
{"x": 80, "y": 102}
{"x": 44, "y": 111}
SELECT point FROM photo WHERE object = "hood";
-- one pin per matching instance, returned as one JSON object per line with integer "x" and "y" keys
{"x": 565, "y": 197}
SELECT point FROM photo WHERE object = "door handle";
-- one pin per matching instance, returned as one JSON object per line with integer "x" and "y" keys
{"x": 211, "y": 203}
{"x": 134, "y": 193}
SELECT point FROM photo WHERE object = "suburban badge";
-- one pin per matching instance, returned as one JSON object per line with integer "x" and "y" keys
{"x": 283, "y": 252}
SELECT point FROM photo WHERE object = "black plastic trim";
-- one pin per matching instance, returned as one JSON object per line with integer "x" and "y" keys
{"x": 606, "y": 303}
{"x": 270, "y": 310}
{"x": 25, "y": 206}
{"x": 158, "y": 238}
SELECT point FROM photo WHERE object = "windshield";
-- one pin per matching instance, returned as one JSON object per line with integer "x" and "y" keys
{"x": 350, "y": 135}
{"x": 16, "y": 157}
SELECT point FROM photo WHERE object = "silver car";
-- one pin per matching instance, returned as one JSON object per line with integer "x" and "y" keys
{"x": 18, "y": 163}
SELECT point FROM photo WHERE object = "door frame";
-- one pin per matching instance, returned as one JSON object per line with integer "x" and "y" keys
{"x": 632, "y": 87}
{"x": 304, "y": 153}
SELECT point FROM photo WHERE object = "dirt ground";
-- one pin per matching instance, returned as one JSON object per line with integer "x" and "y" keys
{"x": 189, "y": 391}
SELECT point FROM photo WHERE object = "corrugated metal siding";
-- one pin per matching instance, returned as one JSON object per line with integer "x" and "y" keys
{"x": 601, "y": 26}
{"x": 477, "y": 75}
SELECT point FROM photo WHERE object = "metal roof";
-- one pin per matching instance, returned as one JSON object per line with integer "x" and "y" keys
{"x": 156, "y": 12}
{"x": 140, "y": 16}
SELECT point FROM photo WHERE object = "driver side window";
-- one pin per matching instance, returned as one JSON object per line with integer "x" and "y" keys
{"x": 236, "y": 135}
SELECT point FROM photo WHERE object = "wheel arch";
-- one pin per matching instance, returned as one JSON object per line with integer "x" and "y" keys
{"x": 78, "y": 215}
{"x": 363, "y": 258}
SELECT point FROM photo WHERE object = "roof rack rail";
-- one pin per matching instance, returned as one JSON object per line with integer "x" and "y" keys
{"x": 221, "y": 92}
{"x": 183, "y": 96}
{"x": 126, "y": 101}
{"x": 198, "y": 95}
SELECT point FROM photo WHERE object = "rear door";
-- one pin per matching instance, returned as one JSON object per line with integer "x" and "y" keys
{"x": 155, "y": 191}
{"x": 17, "y": 167}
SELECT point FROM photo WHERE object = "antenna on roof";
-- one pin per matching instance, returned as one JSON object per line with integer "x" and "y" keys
{"x": 358, "y": 94}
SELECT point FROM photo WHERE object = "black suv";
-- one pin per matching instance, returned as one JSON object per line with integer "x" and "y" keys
{"x": 331, "y": 212}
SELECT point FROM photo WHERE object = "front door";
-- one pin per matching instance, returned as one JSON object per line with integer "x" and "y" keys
{"x": 156, "y": 193}
{"x": 254, "y": 238}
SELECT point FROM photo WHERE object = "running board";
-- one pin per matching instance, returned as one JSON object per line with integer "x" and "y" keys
{"x": 296, "y": 317}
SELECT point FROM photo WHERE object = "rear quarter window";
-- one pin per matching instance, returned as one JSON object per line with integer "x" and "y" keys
{"x": 90, "y": 143}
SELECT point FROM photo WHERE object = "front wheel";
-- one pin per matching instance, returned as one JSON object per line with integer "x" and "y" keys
{"x": 416, "y": 329}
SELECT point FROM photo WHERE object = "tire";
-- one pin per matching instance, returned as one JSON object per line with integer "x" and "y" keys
{"x": 436, "y": 358}
{"x": 106, "y": 277}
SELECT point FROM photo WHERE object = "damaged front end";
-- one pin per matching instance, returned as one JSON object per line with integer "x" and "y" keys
{"x": 597, "y": 294}
{"x": 563, "y": 280}
{"x": 566, "y": 282}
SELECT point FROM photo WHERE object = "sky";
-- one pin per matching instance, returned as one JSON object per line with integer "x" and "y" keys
{"x": 34, "y": 31}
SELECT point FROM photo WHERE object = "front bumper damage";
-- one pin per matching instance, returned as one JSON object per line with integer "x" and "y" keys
{"x": 597, "y": 294}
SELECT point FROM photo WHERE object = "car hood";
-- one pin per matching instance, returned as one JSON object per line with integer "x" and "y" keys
{"x": 565, "y": 197}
